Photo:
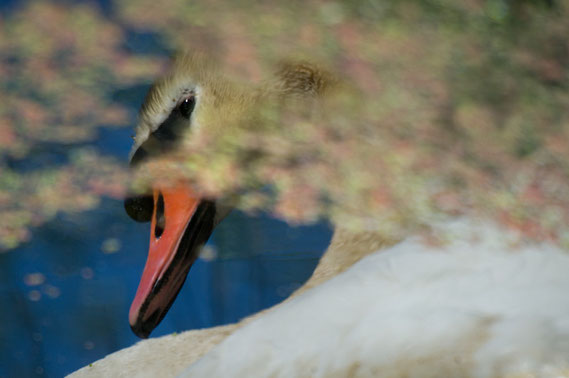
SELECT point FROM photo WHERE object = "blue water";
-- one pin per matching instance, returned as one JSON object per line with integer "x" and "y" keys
{"x": 64, "y": 301}
{"x": 80, "y": 313}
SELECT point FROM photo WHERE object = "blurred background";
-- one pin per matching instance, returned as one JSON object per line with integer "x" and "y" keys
{"x": 470, "y": 97}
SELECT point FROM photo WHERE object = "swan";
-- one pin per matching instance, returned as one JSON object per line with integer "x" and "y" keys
{"x": 473, "y": 306}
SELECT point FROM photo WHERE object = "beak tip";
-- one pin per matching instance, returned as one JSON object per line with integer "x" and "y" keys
{"x": 142, "y": 326}
{"x": 140, "y": 330}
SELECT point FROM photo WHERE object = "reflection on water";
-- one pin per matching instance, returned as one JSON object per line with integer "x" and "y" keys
{"x": 65, "y": 295}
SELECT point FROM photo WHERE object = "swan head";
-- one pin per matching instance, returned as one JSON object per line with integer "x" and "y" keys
{"x": 191, "y": 97}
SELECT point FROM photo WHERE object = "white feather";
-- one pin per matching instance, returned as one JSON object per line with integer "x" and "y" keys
{"x": 472, "y": 308}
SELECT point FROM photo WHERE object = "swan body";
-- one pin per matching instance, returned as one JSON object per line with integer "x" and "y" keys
{"x": 475, "y": 307}
{"x": 468, "y": 309}
{"x": 472, "y": 307}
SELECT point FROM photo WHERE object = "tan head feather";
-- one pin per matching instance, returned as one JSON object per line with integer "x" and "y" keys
{"x": 220, "y": 101}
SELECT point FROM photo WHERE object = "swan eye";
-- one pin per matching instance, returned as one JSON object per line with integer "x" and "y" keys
{"x": 187, "y": 106}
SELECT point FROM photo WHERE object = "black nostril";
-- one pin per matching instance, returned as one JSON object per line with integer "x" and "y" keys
{"x": 160, "y": 218}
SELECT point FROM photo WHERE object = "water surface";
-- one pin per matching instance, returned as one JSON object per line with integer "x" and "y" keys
{"x": 65, "y": 295}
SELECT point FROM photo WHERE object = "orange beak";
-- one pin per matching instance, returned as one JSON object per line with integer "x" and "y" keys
{"x": 181, "y": 225}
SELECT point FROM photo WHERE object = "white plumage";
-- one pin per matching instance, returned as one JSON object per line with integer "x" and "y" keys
{"x": 471, "y": 308}
{"x": 475, "y": 307}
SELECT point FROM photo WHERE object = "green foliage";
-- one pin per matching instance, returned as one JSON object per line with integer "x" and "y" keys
{"x": 453, "y": 107}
